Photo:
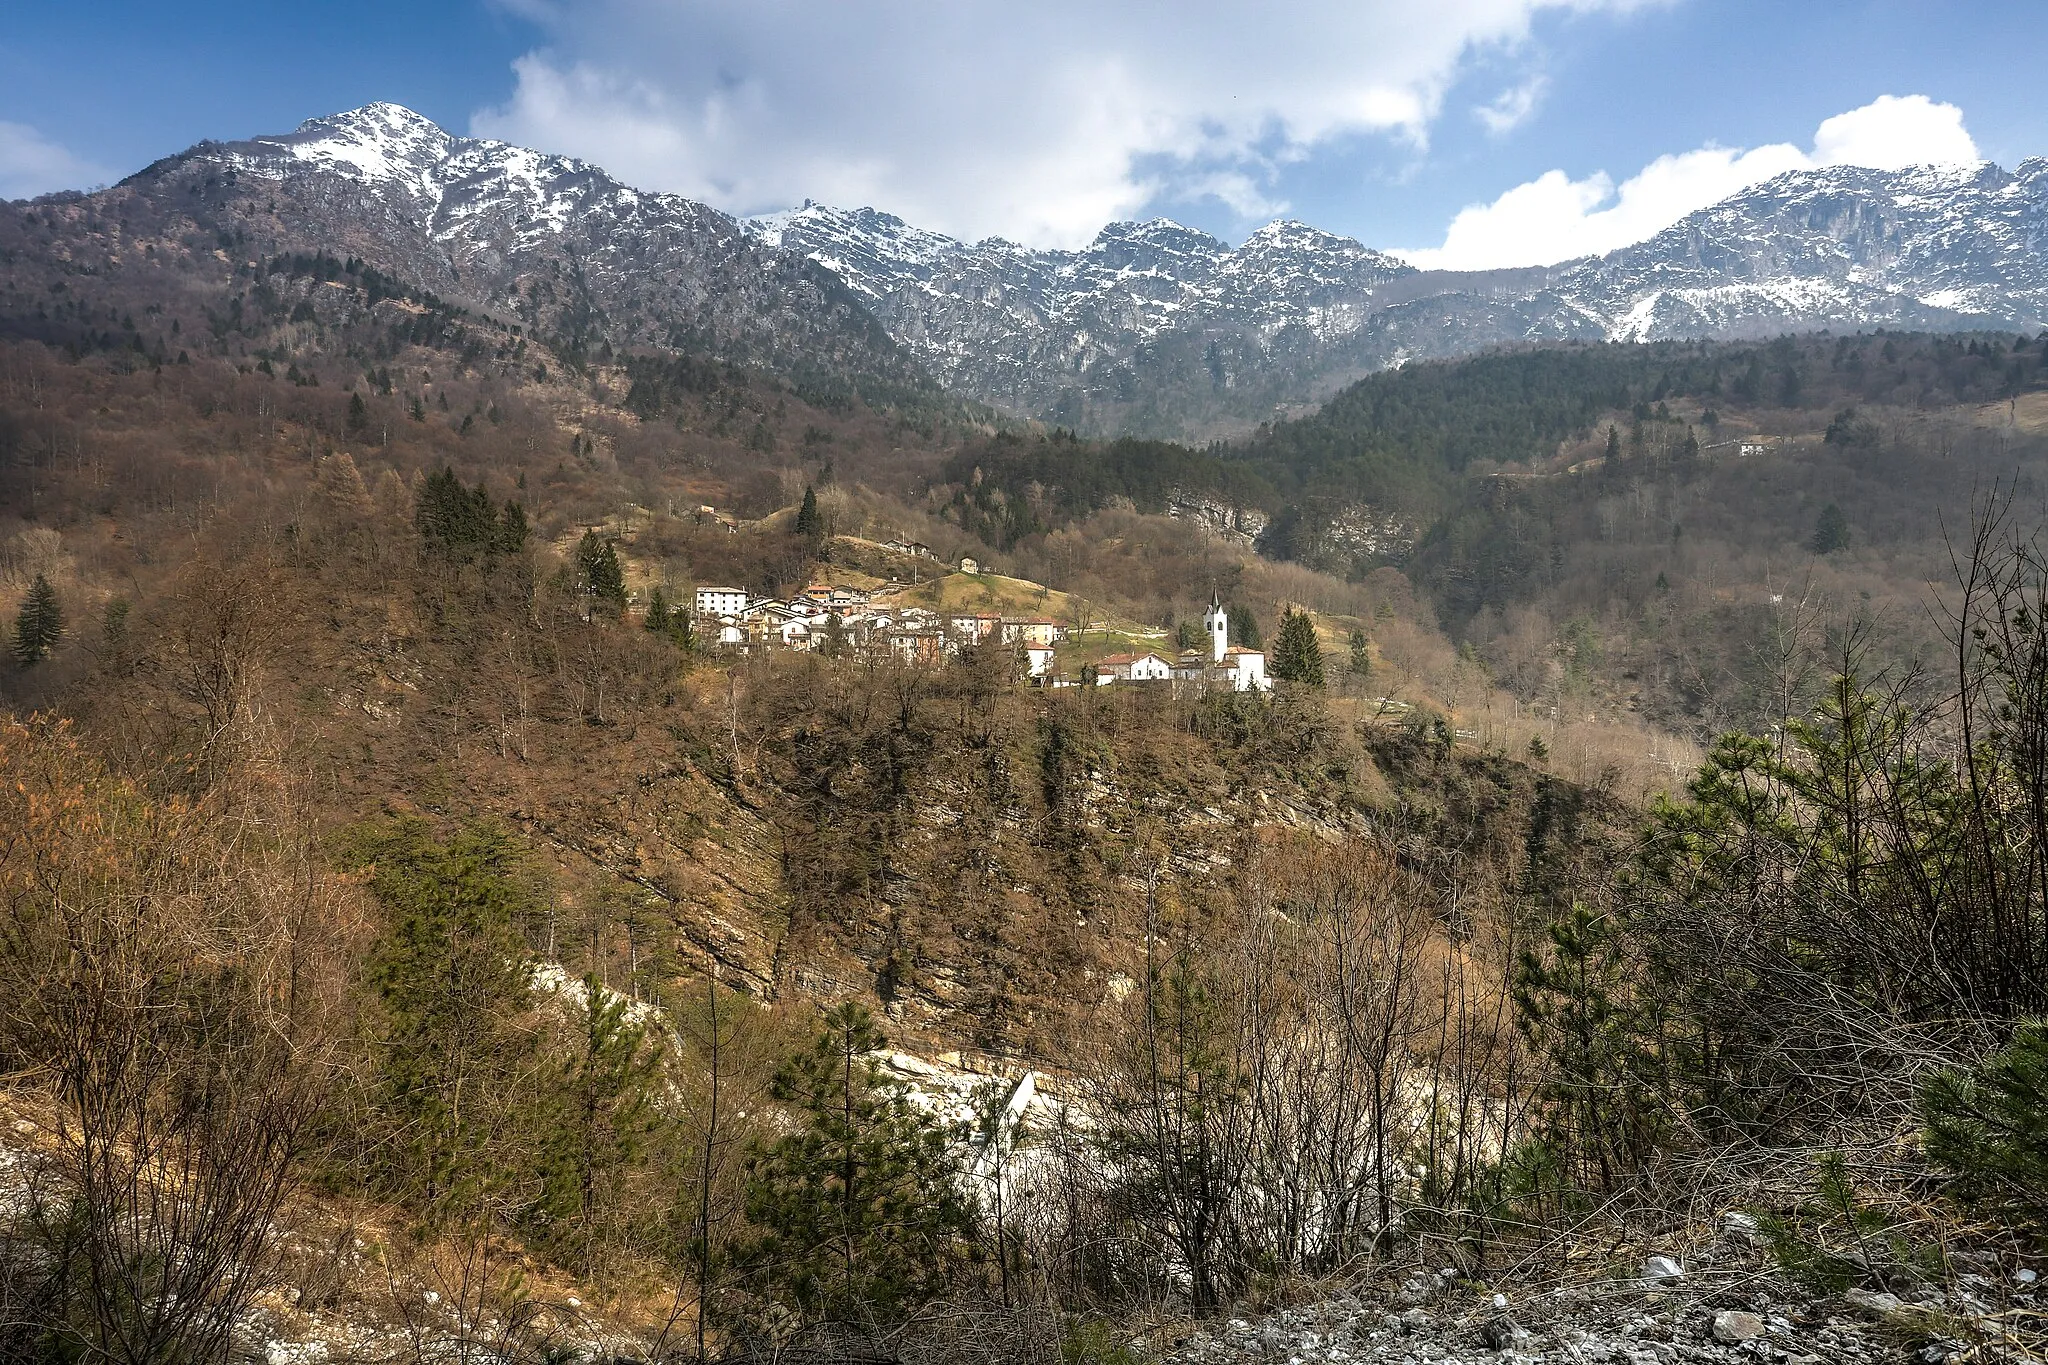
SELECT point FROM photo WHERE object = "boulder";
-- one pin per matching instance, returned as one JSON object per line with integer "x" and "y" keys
{"x": 1873, "y": 1302}
{"x": 1663, "y": 1270}
{"x": 1732, "y": 1326}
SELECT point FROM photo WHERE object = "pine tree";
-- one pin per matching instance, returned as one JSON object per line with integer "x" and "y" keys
{"x": 462, "y": 524}
{"x": 1361, "y": 655}
{"x": 810, "y": 523}
{"x": 657, "y": 611}
{"x": 606, "y": 1116}
{"x": 512, "y": 527}
{"x": 450, "y": 978}
{"x": 1297, "y": 654}
{"x": 1244, "y": 627}
{"x": 39, "y": 623}
{"x": 1988, "y": 1124}
{"x": 1613, "y": 446}
{"x": 358, "y": 415}
{"x": 858, "y": 1213}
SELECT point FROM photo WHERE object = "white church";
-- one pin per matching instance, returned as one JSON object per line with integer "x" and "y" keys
{"x": 1244, "y": 670}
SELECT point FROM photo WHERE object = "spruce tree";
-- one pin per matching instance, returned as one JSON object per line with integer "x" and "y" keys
{"x": 512, "y": 528}
{"x": 1297, "y": 654}
{"x": 358, "y": 415}
{"x": 1361, "y": 655}
{"x": 602, "y": 580}
{"x": 810, "y": 523}
{"x": 1244, "y": 627}
{"x": 657, "y": 612}
{"x": 1831, "y": 531}
{"x": 858, "y": 1213}
{"x": 39, "y": 623}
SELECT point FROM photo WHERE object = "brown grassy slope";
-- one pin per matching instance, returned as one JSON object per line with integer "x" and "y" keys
{"x": 957, "y": 848}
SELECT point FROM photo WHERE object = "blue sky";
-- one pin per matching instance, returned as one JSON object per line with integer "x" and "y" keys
{"x": 1382, "y": 120}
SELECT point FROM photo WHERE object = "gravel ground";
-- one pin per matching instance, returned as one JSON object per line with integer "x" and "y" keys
{"x": 1726, "y": 1308}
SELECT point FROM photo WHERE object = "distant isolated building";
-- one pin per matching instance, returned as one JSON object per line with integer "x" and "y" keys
{"x": 721, "y": 601}
{"x": 969, "y": 564}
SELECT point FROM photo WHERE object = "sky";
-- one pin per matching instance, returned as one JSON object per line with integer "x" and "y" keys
{"x": 1465, "y": 134}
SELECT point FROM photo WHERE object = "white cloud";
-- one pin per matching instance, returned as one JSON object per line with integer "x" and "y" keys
{"x": 31, "y": 164}
{"x": 1894, "y": 131}
{"x": 1555, "y": 218}
{"x": 1513, "y": 106}
{"x": 1038, "y": 122}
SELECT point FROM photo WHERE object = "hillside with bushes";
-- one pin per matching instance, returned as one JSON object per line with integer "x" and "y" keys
{"x": 418, "y": 945}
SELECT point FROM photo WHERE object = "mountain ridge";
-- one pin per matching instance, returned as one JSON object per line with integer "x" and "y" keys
{"x": 1154, "y": 328}
{"x": 1294, "y": 312}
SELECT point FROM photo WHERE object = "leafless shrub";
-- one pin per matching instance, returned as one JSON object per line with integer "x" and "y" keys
{"x": 169, "y": 987}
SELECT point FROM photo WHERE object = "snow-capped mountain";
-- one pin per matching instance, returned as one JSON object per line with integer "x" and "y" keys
{"x": 1931, "y": 246}
{"x": 1145, "y": 309}
{"x": 1153, "y": 328}
{"x": 581, "y": 258}
{"x": 1160, "y": 329}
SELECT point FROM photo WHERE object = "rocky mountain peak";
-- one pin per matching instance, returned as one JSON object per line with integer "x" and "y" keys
{"x": 380, "y": 144}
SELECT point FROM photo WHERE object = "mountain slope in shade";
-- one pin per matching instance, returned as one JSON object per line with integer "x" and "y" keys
{"x": 549, "y": 242}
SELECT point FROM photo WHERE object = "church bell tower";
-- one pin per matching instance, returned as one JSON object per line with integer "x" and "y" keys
{"x": 1218, "y": 624}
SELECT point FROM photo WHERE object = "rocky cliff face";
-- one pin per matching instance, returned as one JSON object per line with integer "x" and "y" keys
{"x": 1935, "y": 247}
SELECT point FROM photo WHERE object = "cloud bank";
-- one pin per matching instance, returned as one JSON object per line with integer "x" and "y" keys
{"x": 1555, "y": 218}
{"x": 1039, "y": 122}
{"x": 31, "y": 164}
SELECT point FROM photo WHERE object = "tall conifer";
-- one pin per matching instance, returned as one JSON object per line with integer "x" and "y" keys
{"x": 39, "y": 624}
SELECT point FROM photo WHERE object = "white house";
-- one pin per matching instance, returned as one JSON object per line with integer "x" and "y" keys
{"x": 1031, "y": 630}
{"x": 1135, "y": 668}
{"x": 973, "y": 627}
{"x": 721, "y": 601}
{"x": 1038, "y": 660}
{"x": 1244, "y": 669}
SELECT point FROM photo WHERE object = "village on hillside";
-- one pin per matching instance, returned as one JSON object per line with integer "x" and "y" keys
{"x": 838, "y": 617}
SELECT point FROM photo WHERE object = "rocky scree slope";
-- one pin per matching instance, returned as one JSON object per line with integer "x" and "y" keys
{"x": 551, "y": 243}
{"x": 1157, "y": 329}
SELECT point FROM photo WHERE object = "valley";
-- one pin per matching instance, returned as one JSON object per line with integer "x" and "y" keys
{"x": 1256, "y": 801}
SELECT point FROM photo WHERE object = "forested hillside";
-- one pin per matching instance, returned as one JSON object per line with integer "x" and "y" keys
{"x": 1629, "y": 527}
{"x": 421, "y": 941}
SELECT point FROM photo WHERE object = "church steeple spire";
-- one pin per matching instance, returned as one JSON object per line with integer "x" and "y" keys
{"x": 1217, "y": 623}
